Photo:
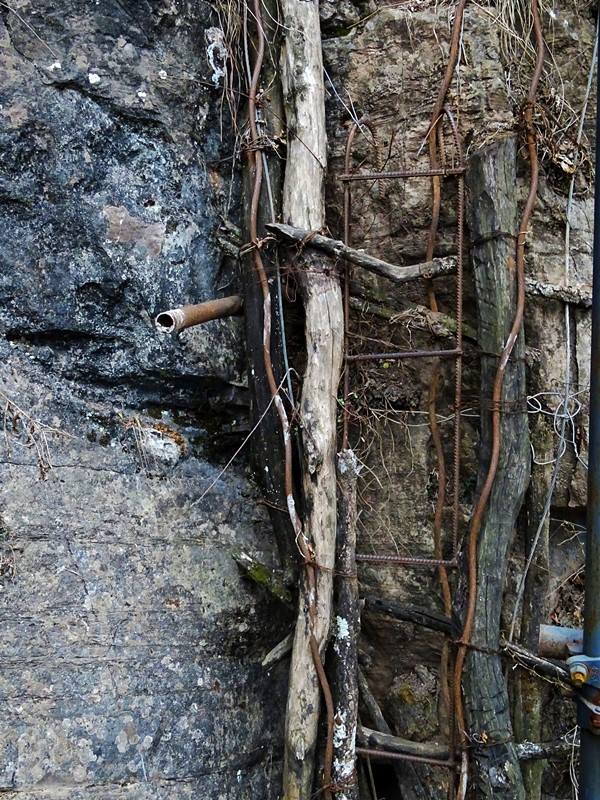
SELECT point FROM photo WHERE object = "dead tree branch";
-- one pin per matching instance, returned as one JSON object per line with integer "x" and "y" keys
{"x": 337, "y": 249}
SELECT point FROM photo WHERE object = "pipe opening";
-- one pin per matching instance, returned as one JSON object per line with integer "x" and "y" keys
{"x": 165, "y": 322}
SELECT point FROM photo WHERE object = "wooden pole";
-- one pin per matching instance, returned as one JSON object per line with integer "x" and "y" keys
{"x": 304, "y": 207}
{"x": 491, "y": 179}
{"x": 344, "y": 652}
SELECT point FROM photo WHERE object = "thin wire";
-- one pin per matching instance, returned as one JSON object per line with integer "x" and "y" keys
{"x": 240, "y": 448}
{"x": 284, "y": 350}
{"x": 565, "y": 403}
{"x": 350, "y": 111}
{"x": 30, "y": 28}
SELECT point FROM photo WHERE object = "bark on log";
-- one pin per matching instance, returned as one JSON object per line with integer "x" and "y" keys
{"x": 304, "y": 207}
{"x": 576, "y": 295}
{"x": 491, "y": 178}
{"x": 267, "y": 446}
{"x": 337, "y": 249}
{"x": 396, "y": 744}
{"x": 344, "y": 656}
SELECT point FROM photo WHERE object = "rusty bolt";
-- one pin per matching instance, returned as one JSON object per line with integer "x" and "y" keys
{"x": 579, "y": 673}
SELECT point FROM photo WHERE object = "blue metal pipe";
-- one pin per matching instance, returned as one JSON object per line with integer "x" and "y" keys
{"x": 590, "y": 734}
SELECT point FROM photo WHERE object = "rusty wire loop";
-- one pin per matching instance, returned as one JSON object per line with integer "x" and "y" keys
{"x": 254, "y": 156}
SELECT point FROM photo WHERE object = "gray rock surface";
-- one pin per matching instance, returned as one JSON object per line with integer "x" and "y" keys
{"x": 131, "y": 645}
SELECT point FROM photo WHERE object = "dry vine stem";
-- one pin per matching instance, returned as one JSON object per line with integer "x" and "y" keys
{"x": 484, "y": 496}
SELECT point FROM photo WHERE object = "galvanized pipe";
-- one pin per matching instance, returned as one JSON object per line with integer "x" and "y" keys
{"x": 558, "y": 642}
{"x": 590, "y": 734}
{"x": 178, "y": 319}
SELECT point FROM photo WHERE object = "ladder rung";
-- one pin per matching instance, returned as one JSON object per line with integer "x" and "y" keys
{"x": 415, "y": 173}
{"x": 414, "y": 561}
{"x": 456, "y": 353}
{"x": 388, "y": 754}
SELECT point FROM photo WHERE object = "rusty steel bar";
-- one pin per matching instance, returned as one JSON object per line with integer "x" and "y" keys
{"x": 178, "y": 319}
{"x": 408, "y": 561}
{"x": 400, "y": 354}
{"x": 347, "y": 238}
{"x": 460, "y": 239}
{"x": 397, "y": 174}
{"x": 368, "y": 752}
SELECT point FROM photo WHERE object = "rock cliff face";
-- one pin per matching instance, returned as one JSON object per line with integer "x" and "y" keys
{"x": 131, "y": 645}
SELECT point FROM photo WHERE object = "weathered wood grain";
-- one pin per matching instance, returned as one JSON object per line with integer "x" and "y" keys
{"x": 491, "y": 180}
{"x": 304, "y": 207}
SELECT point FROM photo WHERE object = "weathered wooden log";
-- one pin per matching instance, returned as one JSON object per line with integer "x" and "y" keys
{"x": 543, "y": 666}
{"x": 396, "y": 744}
{"x": 279, "y": 652}
{"x": 491, "y": 179}
{"x": 337, "y": 249}
{"x": 304, "y": 207}
{"x": 535, "y": 751}
{"x": 343, "y": 668}
{"x": 575, "y": 295}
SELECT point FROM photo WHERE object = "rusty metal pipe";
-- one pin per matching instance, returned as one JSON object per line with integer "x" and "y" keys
{"x": 178, "y": 319}
{"x": 557, "y": 642}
